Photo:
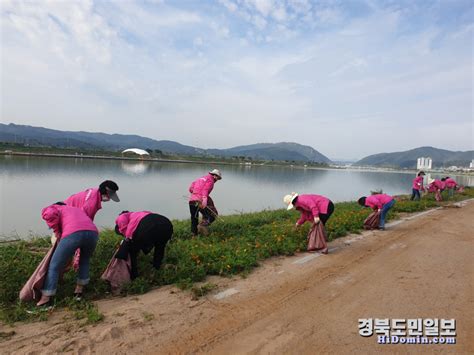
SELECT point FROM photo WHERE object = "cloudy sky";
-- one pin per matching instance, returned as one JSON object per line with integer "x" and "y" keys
{"x": 349, "y": 78}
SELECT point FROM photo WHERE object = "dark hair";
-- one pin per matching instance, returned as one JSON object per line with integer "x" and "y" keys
{"x": 443, "y": 179}
{"x": 294, "y": 200}
{"x": 107, "y": 184}
{"x": 60, "y": 203}
{"x": 447, "y": 177}
{"x": 117, "y": 230}
{"x": 121, "y": 213}
{"x": 361, "y": 201}
{"x": 421, "y": 172}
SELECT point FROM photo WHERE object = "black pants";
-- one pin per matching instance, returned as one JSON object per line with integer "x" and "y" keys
{"x": 207, "y": 213}
{"x": 325, "y": 216}
{"x": 153, "y": 231}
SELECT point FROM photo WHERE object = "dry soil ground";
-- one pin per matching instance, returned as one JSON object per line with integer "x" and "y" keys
{"x": 308, "y": 303}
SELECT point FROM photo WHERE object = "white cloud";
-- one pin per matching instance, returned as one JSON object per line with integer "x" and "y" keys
{"x": 232, "y": 7}
{"x": 279, "y": 13}
{"x": 198, "y": 41}
{"x": 259, "y": 22}
{"x": 327, "y": 16}
{"x": 220, "y": 30}
{"x": 265, "y": 7}
{"x": 248, "y": 72}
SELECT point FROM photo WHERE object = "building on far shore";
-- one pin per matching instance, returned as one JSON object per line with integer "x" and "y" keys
{"x": 142, "y": 153}
{"x": 424, "y": 163}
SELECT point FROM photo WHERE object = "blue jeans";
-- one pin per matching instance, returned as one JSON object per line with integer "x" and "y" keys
{"x": 451, "y": 192}
{"x": 84, "y": 240}
{"x": 384, "y": 212}
{"x": 415, "y": 194}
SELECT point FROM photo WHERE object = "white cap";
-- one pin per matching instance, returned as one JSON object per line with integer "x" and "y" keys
{"x": 216, "y": 172}
{"x": 288, "y": 200}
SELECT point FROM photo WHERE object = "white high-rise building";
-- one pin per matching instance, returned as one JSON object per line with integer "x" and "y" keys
{"x": 424, "y": 163}
{"x": 471, "y": 165}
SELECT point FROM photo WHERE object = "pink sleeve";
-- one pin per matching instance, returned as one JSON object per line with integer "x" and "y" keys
{"x": 205, "y": 192}
{"x": 86, "y": 200}
{"x": 372, "y": 202}
{"x": 191, "y": 187}
{"x": 122, "y": 222}
{"x": 52, "y": 217}
{"x": 314, "y": 209}
{"x": 304, "y": 217}
{"x": 90, "y": 208}
{"x": 310, "y": 205}
{"x": 378, "y": 203}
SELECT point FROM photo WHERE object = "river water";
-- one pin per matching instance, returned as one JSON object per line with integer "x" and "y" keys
{"x": 27, "y": 184}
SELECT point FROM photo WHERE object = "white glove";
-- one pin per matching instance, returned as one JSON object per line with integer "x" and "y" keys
{"x": 316, "y": 220}
{"x": 53, "y": 238}
{"x": 379, "y": 210}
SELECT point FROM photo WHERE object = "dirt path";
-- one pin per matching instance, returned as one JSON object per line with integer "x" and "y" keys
{"x": 421, "y": 268}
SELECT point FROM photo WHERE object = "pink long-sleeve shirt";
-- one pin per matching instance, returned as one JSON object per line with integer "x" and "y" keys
{"x": 311, "y": 206}
{"x": 418, "y": 183}
{"x": 128, "y": 222}
{"x": 450, "y": 183}
{"x": 90, "y": 201}
{"x": 201, "y": 188}
{"x": 438, "y": 184}
{"x": 377, "y": 201}
{"x": 66, "y": 220}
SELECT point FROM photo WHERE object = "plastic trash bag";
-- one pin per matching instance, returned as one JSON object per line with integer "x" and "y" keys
{"x": 317, "y": 239}
{"x": 117, "y": 273}
{"x": 32, "y": 288}
{"x": 372, "y": 221}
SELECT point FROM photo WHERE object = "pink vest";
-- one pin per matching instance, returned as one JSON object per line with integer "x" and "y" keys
{"x": 66, "y": 220}
{"x": 89, "y": 201}
{"x": 311, "y": 206}
{"x": 450, "y": 183}
{"x": 201, "y": 188}
{"x": 439, "y": 184}
{"x": 418, "y": 183}
{"x": 128, "y": 222}
{"x": 377, "y": 201}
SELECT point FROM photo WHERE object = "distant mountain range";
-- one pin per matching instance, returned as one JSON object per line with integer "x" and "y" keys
{"x": 86, "y": 140}
{"x": 407, "y": 159}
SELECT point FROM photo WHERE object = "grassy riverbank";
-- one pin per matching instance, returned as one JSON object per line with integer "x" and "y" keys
{"x": 236, "y": 245}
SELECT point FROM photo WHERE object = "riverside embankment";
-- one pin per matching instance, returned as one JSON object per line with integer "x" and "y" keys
{"x": 237, "y": 244}
{"x": 421, "y": 267}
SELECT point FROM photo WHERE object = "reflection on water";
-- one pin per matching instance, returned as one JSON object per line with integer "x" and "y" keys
{"x": 135, "y": 168}
{"x": 27, "y": 184}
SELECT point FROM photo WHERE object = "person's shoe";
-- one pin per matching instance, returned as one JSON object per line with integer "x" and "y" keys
{"x": 43, "y": 305}
{"x": 78, "y": 292}
{"x": 43, "y": 300}
{"x": 46, "y": 306}
{"x": 381, "y": 228}
{"x": 203, "y": 230}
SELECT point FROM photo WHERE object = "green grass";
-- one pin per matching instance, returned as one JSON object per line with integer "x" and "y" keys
{"x": 235, "y": 246}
